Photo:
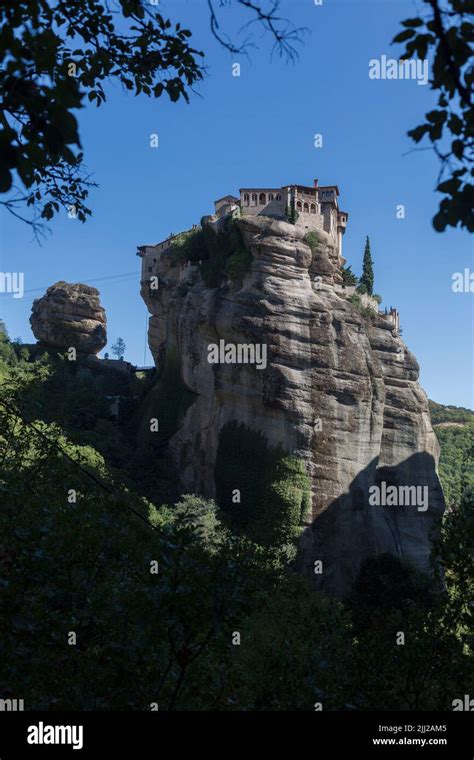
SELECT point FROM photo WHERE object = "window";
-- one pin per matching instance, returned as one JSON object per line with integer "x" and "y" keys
{"x": 270, "y": 196}
{"x": 298, "y": 205}
{"x": 306, "y": 208}
{"x": 278, "y": 197}
{"x": 246, "y": 198}
{"x": 262, "y": 199}
{"x": 313, "y": 208}
{"x": 254, "y": 197}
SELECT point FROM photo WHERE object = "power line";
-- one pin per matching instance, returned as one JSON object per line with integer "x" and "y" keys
{"x": 123, "y": 276}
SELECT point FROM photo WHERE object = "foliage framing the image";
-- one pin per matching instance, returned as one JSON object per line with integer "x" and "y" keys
{"x": 55, "y": 57}
{"x": 444, "y": 37}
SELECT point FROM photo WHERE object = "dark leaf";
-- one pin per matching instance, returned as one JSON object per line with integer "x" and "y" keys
{"x": 405, "y": 35}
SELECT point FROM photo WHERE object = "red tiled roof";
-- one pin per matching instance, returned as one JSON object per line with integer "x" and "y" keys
{"x": 260, "y": 189}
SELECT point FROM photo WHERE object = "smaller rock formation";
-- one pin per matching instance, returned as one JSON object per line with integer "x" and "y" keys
{"x": 70, "y": 315}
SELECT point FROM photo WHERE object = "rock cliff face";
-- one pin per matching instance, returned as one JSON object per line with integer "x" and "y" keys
{"x": 339, "y": 391}
{"x": 70, "y": 315}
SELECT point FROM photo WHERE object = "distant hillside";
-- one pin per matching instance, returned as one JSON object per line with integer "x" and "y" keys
{"x": 454, "y": 426}
{"x": 441, "y": 413}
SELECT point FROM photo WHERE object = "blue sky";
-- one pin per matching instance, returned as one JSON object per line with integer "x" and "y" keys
{"x": 258, "y": 129}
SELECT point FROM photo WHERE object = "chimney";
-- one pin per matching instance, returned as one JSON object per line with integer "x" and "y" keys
{"x": 315, "y": 182}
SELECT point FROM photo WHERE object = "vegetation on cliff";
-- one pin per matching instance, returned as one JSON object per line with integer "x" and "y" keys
{"x": 312, "y": 240}
{"x": 348, "y": 276}
{"x": 367, "y": 276}
{"x": 275, "y": 491}
{"x": 291, "y": 212}
{"x": 219, "y": 254}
